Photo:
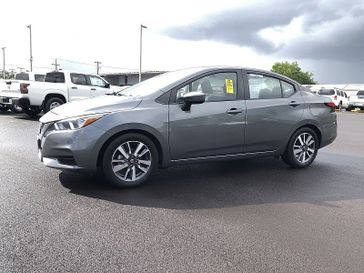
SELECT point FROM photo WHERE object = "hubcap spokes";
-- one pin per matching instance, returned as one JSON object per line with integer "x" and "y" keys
{"x": 131, "y": 160}
{"x": 304, "y": 147}
{"x": 54, "y": 105}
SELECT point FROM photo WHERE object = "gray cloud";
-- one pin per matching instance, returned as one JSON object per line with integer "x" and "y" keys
{"x": 241, "y": 26}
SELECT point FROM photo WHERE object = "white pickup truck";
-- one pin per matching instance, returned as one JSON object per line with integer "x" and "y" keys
{"x": 356, "y": 101}
{"x": 60, "y": 87}
{"x": 10, "y": 89}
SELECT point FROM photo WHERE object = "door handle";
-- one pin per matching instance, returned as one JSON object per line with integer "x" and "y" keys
{"x": 74, "y": 87}
{"x": 293, "y": 103}
{"x": 93, "y": 89}
{"x": 234, "y": 111}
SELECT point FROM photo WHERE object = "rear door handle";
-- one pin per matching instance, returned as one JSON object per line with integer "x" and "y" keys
{"x": 234, "y": 111}
{"x": 93, "y": 89}
{"x": 293, "y": 103}
{"x": 74, "y": 87}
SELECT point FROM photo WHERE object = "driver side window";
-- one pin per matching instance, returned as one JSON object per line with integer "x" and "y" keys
{"x": 216, "y": 87}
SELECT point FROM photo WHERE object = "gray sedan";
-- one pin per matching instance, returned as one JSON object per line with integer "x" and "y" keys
{"x": 187, "y": 116}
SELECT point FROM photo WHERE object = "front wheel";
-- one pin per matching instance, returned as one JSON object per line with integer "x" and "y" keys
{"x": 16, "y": 108}
{"x": 129, "y": 160}
{"x": 302, "y": 148}
{"x": 3, "y": 108}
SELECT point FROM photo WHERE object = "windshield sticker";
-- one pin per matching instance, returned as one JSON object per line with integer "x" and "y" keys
{"x": 229, "y": 86}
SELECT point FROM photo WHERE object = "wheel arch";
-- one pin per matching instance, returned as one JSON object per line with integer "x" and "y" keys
{"x": 53, "y": 95}
{"x": 163, "y": 157}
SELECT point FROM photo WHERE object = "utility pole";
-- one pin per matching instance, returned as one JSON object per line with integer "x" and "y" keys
{"x": 31, "y": 50}
{"x": 97, "y": 67}
{"x": 55, "y": 64}
{"x": 3, "y": 48}
{"x": 140, "y": 53}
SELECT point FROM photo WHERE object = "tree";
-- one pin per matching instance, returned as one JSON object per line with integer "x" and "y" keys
{"x": 293, "y": 71}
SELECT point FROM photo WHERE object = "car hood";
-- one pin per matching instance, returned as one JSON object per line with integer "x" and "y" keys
{"x": 98, "y": 105}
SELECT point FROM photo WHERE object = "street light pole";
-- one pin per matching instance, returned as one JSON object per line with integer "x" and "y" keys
{"x": 31, "y": 50}
{"x": 3, "y": 48}
{"x": 97, "y": 67}
{"x": 140, "y": 53}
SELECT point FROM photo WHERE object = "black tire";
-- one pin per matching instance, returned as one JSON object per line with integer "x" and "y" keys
{"x": 32, "y": 112}
{"x": 3, "y": 109}
{"x": 340, "y": 106}
{"x": 16, "y": 109}
{"x": 51, "y": 102}
{"x": 289, "y": 156}
{"x": 349, "y": 109}
{"x": 131, "y": 163}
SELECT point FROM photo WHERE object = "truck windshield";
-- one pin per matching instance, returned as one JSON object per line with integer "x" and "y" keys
{"x": 55, "y": 77}
{"x": 157, "y": 83}
{"x": 22, "y": 76}
{"x": 326, "y": 92}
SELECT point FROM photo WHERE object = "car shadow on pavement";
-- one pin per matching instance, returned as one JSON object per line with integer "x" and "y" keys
{"x": 224, "y": 184}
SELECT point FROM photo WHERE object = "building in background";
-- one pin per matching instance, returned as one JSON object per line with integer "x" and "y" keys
{"x": 129, "y": 78}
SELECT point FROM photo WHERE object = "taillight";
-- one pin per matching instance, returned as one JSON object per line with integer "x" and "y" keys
{"x": 335, "y": 97}
{"x": 331, "y": 105}
{"x": 24, "y": 88}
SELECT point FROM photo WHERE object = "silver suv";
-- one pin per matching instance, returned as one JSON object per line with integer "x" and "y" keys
{"x": 188, "y": 116}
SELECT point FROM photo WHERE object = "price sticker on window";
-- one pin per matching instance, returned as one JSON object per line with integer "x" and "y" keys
{"x": 229, "y": 86}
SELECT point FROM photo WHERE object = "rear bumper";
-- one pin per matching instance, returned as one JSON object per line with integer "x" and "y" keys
{"x": 356, "y": 104}
{"x": 329, "y": 133}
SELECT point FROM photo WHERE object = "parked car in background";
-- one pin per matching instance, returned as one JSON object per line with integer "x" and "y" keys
{"x": 187, "y": 116}
{"x": 58, "y": 88}
{"x": 340, "y": 98}
{"x": 9, "y": 89}
{"x": 356, "y": 101}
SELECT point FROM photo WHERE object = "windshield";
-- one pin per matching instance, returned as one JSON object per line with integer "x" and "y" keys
{"x": 327, "y": 92}
{"x": 154, "y": 84}
{"x": 360, "y": 93}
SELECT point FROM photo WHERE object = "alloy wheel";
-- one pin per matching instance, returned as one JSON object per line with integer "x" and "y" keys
{"x": 131, "y": 160}
{"x": 304, "y": 147}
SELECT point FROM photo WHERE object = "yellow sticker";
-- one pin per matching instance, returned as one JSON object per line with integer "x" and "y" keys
{"x": 229, "y": 86}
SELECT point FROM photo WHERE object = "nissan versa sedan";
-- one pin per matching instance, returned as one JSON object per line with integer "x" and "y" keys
{"x": 188, "y": 116}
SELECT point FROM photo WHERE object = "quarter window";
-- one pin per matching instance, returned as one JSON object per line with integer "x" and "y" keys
{"x": 78, "y": 79}
{"x": 216, "y": 87}
{"x": 287, "y": 89}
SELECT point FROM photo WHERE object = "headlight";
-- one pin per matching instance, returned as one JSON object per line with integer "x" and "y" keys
{"x": 75, "y": 123}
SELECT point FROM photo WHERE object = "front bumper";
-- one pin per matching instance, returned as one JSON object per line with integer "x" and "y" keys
{"x": 356, "y": 104}
{"x": 75, "y": 150}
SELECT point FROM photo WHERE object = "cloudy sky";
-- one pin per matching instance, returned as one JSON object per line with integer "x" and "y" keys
{"x": 325, "y": 37}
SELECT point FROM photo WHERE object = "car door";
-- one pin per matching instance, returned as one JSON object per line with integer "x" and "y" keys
{"x": 274, "y": 107}
{"x": 213, "y": 128}
{"x": 99, "y": 86}
{"x": 79, "y": 87}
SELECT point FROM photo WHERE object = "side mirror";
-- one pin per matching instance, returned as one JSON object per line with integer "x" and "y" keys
{"x": 191, "y": 98}
{"x": 107, "y": 85}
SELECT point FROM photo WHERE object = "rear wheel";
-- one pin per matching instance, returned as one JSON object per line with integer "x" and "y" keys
{"x": 52, "y": 103}
{"x": 32, "y": 112}
{"x": 302, "y": 148}
{"x": 130, "y": 160}
{"x": 3, "y": 109}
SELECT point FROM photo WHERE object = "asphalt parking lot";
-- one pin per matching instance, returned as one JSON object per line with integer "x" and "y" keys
{"x": 255, "y": 215}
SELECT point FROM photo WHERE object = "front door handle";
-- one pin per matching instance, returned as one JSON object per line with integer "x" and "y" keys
{"x": 74, "y": 87}
{"x": 93, "y": 89}
{"x": 293, "y": 103}
{"x": 234, "y": 111}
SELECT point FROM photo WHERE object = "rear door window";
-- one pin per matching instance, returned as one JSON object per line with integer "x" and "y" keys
{"x": 264, "y": 87}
